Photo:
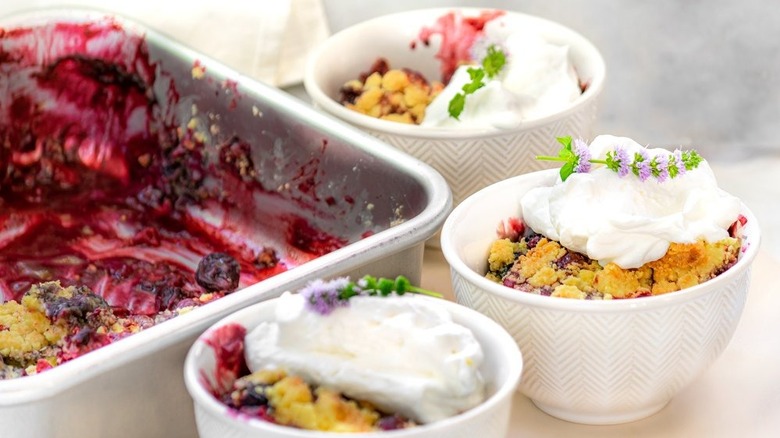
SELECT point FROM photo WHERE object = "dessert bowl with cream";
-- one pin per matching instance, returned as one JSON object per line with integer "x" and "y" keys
{"x": 655, "y": 256}
{"x": 526, "y": 79}
{"x": 358, "y": 357}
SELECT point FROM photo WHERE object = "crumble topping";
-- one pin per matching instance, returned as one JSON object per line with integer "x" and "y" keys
{"x": 390, "y": 94}
{"x": 538, "y": 265}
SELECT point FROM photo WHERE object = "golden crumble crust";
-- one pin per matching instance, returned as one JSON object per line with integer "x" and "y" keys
{"x": 52, "y": 324}
{"x": 398, "y": 95}
{"x": 535, "y": 265}
{"x": 547, "y": 268}
{"x": 686, "y": 265}
{"x": 502, "y": 254}
{"x": 567, "y": 291}
{"x": 293, "y": 402}
{"x": 25, "y": 329}
{"x": 623, "y": 283}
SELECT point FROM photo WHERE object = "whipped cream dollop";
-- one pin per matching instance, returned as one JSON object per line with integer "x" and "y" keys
{"x": 536, "y": 81}
{"x": 626, "y": 220}
{"x": 400, "y": 353}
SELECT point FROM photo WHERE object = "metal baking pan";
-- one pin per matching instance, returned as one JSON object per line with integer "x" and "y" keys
{"x": 308, "y": 172}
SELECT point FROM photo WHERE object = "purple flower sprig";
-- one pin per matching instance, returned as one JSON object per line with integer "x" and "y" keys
{"x": 576, "y": 158}
{"x": 325, "y": 296}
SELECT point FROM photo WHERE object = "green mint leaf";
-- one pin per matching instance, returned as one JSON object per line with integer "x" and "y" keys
{"x": 385, "y": 286}
{"x": 348, "y": 292}
{"x": 402, "y": 284}
{"x": 565, "y": 141}
{"x": 673, "y": 170}
{"x": 494, "y": 61}
{"x": 476, "y": 83}
{"x": 612, "y": 162}
{"x": 691, "y": 159}
{"x": 566, "y": 153}
{"x": 492, "y": 64}
{"x": 566, "y": 170}
{"x": 456, "y": 105}
{"x": 471, "y": 87}
{"x": 369, "y": 281}
{"x": 476, "y": 74}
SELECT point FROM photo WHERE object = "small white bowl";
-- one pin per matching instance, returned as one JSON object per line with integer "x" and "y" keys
{"x": 501, "y": 370}
{"x": 469, "y": 159}
{"x": 595, "y": 362}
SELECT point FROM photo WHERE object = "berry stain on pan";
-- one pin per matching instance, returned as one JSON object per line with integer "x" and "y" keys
{"x": 100, "y": 189}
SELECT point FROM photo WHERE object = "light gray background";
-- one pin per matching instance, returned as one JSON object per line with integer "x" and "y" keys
{"x": 689, "y": 73}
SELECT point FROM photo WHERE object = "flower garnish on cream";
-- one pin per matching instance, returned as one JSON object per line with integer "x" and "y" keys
{"x": 599, "y": 210}
{"x": 505, "y": 75}
{"x": 491, "y": 65}
{"x": 401, "y": 353}
{"x": 576, "y": 158}
{"x": 325, "y": 296}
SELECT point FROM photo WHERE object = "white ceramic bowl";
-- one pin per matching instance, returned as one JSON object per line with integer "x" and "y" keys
{"x": 469, "y": 159}
{"x": 501, "y": 369}
{"x": 596, "y": 362}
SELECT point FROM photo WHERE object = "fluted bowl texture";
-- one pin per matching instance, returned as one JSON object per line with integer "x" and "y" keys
{"x": 595, "y": 362}
{"x": 469, "y": 159}
{"x": 501, "y": 369}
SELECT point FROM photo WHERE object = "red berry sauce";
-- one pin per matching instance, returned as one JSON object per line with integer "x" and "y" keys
{"x": 101, "y": 187}
{"x": 458, "y": 34}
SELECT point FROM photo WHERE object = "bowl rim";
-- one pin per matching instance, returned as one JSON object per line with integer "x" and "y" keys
{"x": 320, "y": 98}
{"x": 202, "y": 398}
{"x": 458, "y": 266}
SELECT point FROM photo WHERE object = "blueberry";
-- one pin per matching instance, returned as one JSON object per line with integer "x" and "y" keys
{"x": 533, "y": 240}
{"x": 78, "y": 307}
{"x": 168, "y": 296}
{"x": 218, "y": 272}
{"x": 254, "y": 396}
{"x": 391, "y": 422}
{"x": 570, "y": 258}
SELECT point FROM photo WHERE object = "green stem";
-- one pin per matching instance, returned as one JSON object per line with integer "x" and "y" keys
{"x": 550, "y": 158}
{"x": 421, "y": 291}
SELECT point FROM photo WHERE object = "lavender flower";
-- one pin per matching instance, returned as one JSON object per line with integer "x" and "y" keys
{"x": 641, "y": 165}
{"x": 583, "y": 156}
{"x": 577, "y": 158}
{"x": 625, "y": 166}
{"x": 324, "y": 297}
{"x": 660, "y": 167}
{"x": 619, "y": 161}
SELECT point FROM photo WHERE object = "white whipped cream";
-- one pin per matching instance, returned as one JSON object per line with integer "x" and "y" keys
{"x": 536, "y": 81}
{"x": 625, "y": 220}
{"x": 402, "y": 354}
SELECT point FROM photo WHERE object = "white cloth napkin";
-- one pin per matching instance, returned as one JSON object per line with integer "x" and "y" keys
{"x": 268, "y": 40}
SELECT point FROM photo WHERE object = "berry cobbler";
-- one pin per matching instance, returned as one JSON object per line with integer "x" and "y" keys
{"x": 622, "y": 221}
{"x": 383, "y": 359}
